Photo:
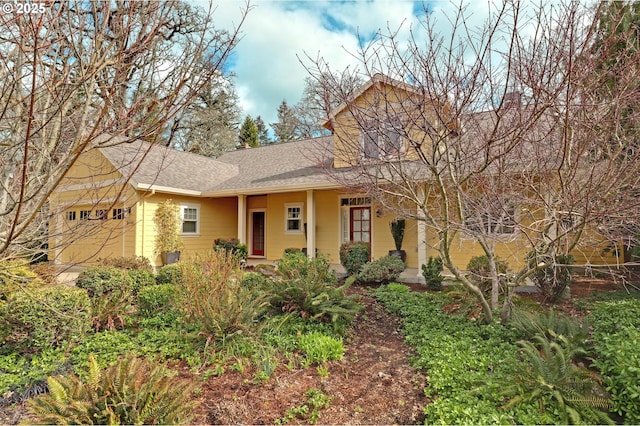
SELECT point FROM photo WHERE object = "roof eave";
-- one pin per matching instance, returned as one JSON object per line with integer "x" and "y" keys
{"x": 167, "y": 190}
{"x": 270, "y": 189}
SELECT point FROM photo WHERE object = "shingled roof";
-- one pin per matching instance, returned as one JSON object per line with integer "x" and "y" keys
{"x": 153, "y": 166}
{"x": 278, "y": 167}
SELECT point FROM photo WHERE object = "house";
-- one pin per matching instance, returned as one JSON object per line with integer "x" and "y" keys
{"x": 288, "y": 195}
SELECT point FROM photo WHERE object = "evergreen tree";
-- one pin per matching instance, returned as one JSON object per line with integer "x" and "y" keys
{"x": 285, "y": 129}
{"x": 248, "y": 133}
{"x": 263, "y": 132}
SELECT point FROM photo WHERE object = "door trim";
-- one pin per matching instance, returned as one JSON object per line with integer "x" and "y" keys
{"x": 264, "y": 235}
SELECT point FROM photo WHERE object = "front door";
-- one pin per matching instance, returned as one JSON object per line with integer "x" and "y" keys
{"x": 360, "y": 226}
{"x": 257, "y": 233}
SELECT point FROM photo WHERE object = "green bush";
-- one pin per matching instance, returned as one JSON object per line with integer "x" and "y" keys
{"x": 616, "y": 337}
{"x": 553, "y": 280}
{"x": 158, "y": 299}
{"x": 169, "y": 274}
{"x": 480, "y": 270}
{"x": 99, "y": 280}
{"x": 131, "y": 392}
{"x": 233, "y": 246}
{"x": 15, "y": 276}
{"x": 353, "y": 255}
{"x": 140, "y": 263}
{"x": 140, "y": 279}
{"x": 384, "y": 270}
{"x": 431, "y": 271}
{"x": 308, "y": 287}
{"x": 319, "y": 347}
{"x": 297, "y": 265}
{"x": 47, "y": 317}
{"x": 255, "y": 281}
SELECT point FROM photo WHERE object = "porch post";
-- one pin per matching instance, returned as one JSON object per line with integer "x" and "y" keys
{"x": 422, "y": 241}
{"x": 242, "y": 218}
{"x": 311, "y": 224}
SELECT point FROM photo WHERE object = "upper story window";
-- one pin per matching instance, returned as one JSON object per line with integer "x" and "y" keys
{"x": 71, "y": 215}
{"x": 190, "y": 215}
{"x": 85, "y": 214}
{"x": 382, "y": 138}
{"x": 491, "y": 217}
{"x": 293, "y": 218}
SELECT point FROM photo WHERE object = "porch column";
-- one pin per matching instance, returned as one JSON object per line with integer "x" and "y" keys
{"x": 422, "y": 241}
{"x": 311, "y": 224}
{"x": 242, "y": 218}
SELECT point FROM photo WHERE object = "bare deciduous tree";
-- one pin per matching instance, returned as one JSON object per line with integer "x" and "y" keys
{"x": 80, "y": 74}
{"x": 498, "y": 134}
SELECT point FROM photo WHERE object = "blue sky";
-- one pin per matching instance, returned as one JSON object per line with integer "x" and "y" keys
{"x": 279, "y": 32}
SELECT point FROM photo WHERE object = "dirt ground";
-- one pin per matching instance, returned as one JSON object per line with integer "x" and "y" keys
{"x": 372, "y": 384}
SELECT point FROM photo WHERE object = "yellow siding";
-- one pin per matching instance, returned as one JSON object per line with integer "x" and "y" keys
{"x": 91, "y": 184}
{"x": 277, "y": 239}
{"x": 217, "y": 219}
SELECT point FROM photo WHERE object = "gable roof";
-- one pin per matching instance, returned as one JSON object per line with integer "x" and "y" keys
{"x": 157, "y": 167}
{"x": 282, "y": 167}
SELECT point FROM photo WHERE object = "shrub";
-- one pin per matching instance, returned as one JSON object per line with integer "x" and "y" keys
{"x": 616, "y": 337}
{"x": 130, "y": 392}
{"x": 51, "y": 316}
{"x": 15, "y": 276}
{"x": 99, "y": 280}
{"x": 141, "y": 278}
{"x": 158, "y": 299}
{"x": 382, "y": 271}
{"x": 233, "y": 246}
{"x": 480, "y": 270}
{"x": 618, "y": 360}
{"x": 431, "y": 272}
{"x": 212, "y": 295}
{"x": 553, "y": 280}
{"x": 129, "y": 263}
{"x": 169, "y": 274}
{"x": 353, "y": 255}
{"x": 297, "y": 265}
{"x": 254, "y": 281}
{"x": 316, "y": 301}
{"x": 319, "y": 347}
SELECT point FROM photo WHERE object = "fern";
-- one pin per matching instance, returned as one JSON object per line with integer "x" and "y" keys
{"x": 129, "y": 392}
{"x": 551, "y": 378}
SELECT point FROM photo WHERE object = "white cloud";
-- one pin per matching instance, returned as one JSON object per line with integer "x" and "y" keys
{"x": 277, "y": 33}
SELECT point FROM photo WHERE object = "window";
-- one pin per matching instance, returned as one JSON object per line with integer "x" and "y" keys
{"x": 102, "y": 214}
{"x": 190, "y": 215}
{"x": 70, "y": 215}
{"x": 85, "y": 214}
{"x": 293, "y": 217}
{"x": 118, "y": 214}
{"x": 382, "y": 139}
{"x": 491, "y": 217}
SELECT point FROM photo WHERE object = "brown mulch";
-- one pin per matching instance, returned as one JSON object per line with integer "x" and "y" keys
{"x": 372, "y": 384}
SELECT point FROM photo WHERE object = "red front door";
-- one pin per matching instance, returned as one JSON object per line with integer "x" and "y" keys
{"x": 257, "y": 233}
{"x": 360, "y": 229}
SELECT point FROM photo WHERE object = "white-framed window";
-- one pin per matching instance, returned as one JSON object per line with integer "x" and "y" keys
{"x": 190, "y": 215}
{"x": 382, "y": 138}
{"x": 70, "y": 215}
{"x": 293, "y": 218}
{"x": 85, "y": 214}
{"x": 495, "y": 217}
